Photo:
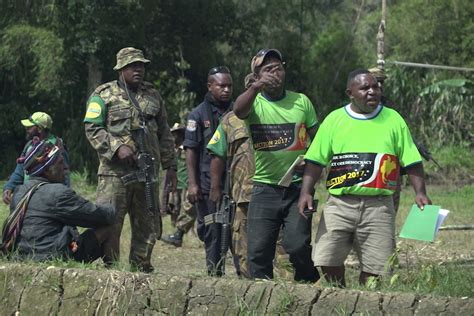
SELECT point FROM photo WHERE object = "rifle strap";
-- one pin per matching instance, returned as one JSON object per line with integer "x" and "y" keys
{"x": 133, "y": 100}
{"x": 227, "y": 177}
{"x": 13, "y": 224}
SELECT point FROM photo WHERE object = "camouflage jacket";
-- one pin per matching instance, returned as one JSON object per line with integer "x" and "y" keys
{"x": 182, "y": 170}
{"x": 111, "y": 117}
{"x": 231, "y": 141}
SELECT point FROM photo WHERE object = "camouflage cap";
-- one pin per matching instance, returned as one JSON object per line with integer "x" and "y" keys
{"x": 129, "y": 55}
{"x": 258, "y": 59}
{"x": 378, "y": 73}
{"x": 39, "y": 119}
{"x": 249, "y": 79}
{"x": 177, "y": 127}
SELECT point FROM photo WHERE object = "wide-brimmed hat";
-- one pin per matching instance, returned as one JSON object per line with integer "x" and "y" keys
{"x": 258, "y": 59}
{"x": 39, "y": 119}
{"x": 129, "y": 55}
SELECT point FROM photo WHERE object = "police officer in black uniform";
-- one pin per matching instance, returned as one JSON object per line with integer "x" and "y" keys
{"x": 201, "y": 124}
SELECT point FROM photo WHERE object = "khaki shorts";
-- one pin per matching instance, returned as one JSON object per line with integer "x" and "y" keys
{"x": 365, "y": 223}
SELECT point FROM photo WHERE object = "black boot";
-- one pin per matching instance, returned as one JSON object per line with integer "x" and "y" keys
{"x": 175, "y": 239}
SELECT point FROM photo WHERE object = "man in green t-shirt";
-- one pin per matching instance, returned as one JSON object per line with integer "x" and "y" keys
{"x": 279, "y": 122}
{"x": 364, "y": 144}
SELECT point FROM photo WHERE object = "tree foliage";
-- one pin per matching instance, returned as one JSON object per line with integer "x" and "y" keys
{"x": 53, "y": 53}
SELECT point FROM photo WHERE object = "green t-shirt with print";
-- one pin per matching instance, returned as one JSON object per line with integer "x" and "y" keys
{"x": 364, "y": 151}
{"x": 279, "y": 134}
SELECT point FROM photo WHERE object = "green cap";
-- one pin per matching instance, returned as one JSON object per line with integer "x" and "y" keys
{"x": 129, "y": 55}
{"x": 39, "y": 119}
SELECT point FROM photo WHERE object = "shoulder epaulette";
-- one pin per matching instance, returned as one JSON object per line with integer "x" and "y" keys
{"x": 148, "y": 84}
{"x": 104, "y": 86}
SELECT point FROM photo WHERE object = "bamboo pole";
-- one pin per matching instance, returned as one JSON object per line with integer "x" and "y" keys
{"x": 381, "y": 38}
{"x": 410, "y": 64}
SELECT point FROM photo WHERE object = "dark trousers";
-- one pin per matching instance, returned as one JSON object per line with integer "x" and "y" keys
{"x": 273, "y": 208}
{"x": 88, "y": 247}
{"x": 210, "y": 235}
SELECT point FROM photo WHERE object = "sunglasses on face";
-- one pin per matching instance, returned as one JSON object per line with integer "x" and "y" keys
{"x": 219, "y": 70}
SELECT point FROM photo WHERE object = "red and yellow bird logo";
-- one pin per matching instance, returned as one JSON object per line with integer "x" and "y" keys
{"x": 388, "y": 166}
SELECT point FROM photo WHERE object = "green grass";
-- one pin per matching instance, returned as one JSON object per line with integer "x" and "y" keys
{"x": 456, "y": 164}
{"x": 444, "y": 267}
{"x": 439, "y": 268}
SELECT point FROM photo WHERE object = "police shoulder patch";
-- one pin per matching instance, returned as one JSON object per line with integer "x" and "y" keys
{"x": 191, "y": 125}
{"x": 104, "y": 86}
{"x": 215, "y": 138}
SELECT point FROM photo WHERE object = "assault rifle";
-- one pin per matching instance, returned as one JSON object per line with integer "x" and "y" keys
{"x": 421, "y": 148}
{"x": 145, "y": 173}
{"x": 224, "y": 216}
{"x": 425, "y": 153}
{"x": 146, "y": 168}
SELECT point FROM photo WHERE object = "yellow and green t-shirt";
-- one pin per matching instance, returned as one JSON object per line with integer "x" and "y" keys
{"x": 279, "y": 134}
{"x": 364, "y": 151}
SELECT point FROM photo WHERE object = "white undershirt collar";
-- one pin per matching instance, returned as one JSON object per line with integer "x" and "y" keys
{"x": 362, "y": 116}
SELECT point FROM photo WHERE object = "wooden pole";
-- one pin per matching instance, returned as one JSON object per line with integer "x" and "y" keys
{"x": 430, "y": 66}
{"x": 381, "y": 38}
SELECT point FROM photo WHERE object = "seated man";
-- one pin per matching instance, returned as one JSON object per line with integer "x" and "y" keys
{"x": 44, "y": 212}
{"x": 364, "y": 144}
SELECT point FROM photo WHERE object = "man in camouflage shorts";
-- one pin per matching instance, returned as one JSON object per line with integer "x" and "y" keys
{"x": 117, "y": 113}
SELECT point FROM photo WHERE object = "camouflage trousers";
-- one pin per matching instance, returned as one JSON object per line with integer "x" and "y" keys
{"x": 145, "y": 229}
{"x": 187, "y": 216}
{"x": 239, "y": 238}
{"x": 281, "y": 263}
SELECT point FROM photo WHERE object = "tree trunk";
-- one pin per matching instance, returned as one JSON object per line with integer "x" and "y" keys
{"x": 94, "y": 73}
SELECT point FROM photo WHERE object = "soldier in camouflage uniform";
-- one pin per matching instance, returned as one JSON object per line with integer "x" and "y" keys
{"x": 231, "y": 142}
{"x": 116, "y": 112}
{"x": 178, "y": 200}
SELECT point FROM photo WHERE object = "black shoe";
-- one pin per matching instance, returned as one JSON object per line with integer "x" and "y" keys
{"x": 176, "y": 239}
{"x": 146, "y": 268}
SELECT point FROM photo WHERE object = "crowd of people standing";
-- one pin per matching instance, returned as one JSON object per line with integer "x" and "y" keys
{"x": 266, "y": 134}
